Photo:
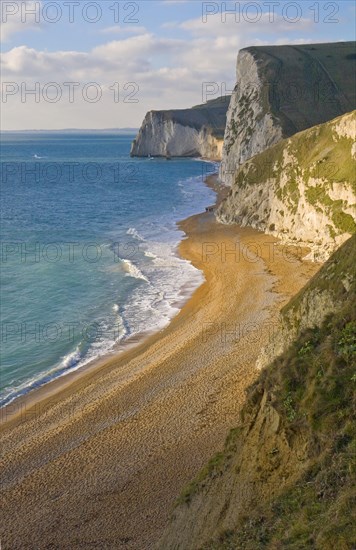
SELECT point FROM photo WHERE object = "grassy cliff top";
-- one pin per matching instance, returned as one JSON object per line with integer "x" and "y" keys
{"x": 320, "y": 152}
{"x": 307, "y": 84}
{"x": 211, "y": 114}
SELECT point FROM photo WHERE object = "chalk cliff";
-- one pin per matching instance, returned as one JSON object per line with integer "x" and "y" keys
{"x": 282, "y": 90}
{"x": 302, "y": 190}
{"x": 195, "y": 132}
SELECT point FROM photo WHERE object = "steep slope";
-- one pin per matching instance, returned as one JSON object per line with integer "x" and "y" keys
{"x": 285, "y": 477}
{"x": 302, "y": 190}
{"x": 282, "y": 90}
{"x": 194, "y": 132}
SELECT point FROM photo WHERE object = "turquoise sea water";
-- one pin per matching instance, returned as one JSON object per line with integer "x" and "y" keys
{"x": 88, "y": 249}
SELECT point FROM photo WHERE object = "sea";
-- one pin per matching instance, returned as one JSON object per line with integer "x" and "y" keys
{"x": 89, "y": 257}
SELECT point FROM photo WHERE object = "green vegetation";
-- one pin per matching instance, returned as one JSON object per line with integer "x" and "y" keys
{"x": 208, "y": 472}
{"x": 318, "y": 159}
{"x": 311, "y": 386}
{"x": 307, "y": 85}
{"x": 343, "y": 222}
{"x": 318, "y": 373}
{"x": 339, "y": 268}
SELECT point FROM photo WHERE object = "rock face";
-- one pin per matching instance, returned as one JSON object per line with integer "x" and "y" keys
{"x": 323, "y": 295}
{"x": 195, "y": 132}
{"x": 282, "y": 90}
{"x": 282, "y": 479}
{"x": 302, "y": 190}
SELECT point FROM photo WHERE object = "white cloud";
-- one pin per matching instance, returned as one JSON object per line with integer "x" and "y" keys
{"x": 169, "y": 72}
{"x": 18, "y": 16}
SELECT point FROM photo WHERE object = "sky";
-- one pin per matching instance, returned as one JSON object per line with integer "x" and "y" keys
{"x": 104, "y": 64}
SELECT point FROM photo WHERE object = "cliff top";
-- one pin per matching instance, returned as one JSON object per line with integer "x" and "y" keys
{"x": 307, "y": 84}
{"x": 211, "y": 114}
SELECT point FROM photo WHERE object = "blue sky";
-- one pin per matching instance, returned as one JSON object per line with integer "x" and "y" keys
{"x": 154, "y": 54}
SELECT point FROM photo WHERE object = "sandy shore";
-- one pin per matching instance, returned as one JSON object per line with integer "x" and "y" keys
{"x": 97, "y": 460}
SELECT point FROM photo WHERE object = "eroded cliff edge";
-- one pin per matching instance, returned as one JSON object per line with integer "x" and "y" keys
{"x": 282, "y": 90}
{"x": 195, "y": 132}
{"x": 302, "y": 190}
{"x": 284, "y": 478}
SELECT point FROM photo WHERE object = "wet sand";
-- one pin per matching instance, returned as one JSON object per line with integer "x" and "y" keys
{"x": 98, "y": 459}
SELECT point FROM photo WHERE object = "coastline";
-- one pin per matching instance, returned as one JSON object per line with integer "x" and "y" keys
{"x": 119, "y": 441}
{"x": 34, "y": 397}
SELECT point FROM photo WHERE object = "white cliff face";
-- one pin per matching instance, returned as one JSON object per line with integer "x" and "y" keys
{"x": 283, "y": 90}
{"x": 159, "y": 137}
{"x": 302, "y": 190}
{"x": 250, "y": 127}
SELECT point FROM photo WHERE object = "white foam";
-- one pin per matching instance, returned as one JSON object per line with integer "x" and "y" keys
{"x": 69, "y": 363}
{"x": 134, "y": 233}
{"x": 71, "y": 359}
{"x": 151, "y": 308}
{"x": 149, "y": 254}
{"x": 172, "y": 279}
{"x": 133, "y": 271}
{"x": 120, "y": 322}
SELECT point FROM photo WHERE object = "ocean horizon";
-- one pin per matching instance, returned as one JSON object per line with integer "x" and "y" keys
{"x": 89, "y": 249}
